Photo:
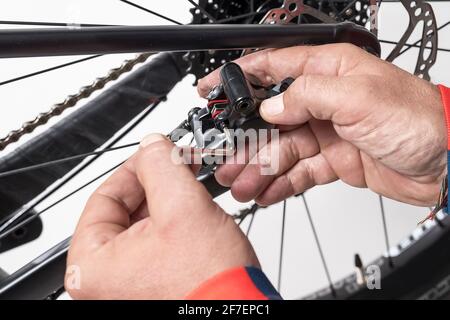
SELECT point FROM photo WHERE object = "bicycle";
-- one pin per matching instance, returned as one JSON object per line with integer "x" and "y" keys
{"x": 29, "y": 175}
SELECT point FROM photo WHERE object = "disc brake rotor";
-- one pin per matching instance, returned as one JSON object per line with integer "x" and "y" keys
{"x": 270, "y": 12}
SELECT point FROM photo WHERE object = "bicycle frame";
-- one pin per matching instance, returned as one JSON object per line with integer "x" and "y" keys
{"x": 106, "y": 40}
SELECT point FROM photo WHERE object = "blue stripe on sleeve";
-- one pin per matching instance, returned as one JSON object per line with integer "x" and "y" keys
{"x": 262, "y": 283}
{"x": 448, "y": 180}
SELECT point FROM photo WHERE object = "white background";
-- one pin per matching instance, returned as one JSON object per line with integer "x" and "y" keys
{"x": 347, "y": 219}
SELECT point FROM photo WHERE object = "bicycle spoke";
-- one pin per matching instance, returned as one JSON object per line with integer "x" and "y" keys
{"x": 333, "y": 7}
{"x": 241, "y": 221}
{"x": 252, "y": 5}
{"x": 319, "y": 247}
{"x": 242, "y": 16}
{"x": 52, "y": 24}
{"x": 346, "y": 8}
{"x": 250, "y": 224}
{"x": 202, "y": 10}
{"x": 413, "y": 45}
{"x": 385, "y": 230}
{"x": 263, "y": 4}
{"x": 280, "y": 265}
{"x": 49, "y": 69}
{"x": 420, "y": 40}
{"x": 244, "y": 213}
{"x": 150, "y": 11}
{"x": 64, "y": 160}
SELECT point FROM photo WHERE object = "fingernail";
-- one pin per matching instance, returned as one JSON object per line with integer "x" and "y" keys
{"x": 273, "y": 106}
{"x": 152, "y": 138}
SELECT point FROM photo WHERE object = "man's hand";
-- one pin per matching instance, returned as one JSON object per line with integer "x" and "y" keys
{"x": 348, "y": 116}
{"x": 152, "y": 231}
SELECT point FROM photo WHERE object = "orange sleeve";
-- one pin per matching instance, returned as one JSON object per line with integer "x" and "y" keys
{"x": 243, "y": 283}
{"x": 445, "y": 93}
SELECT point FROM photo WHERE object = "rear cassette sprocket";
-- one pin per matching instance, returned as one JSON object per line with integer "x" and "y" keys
{"x": 266, "y": 11}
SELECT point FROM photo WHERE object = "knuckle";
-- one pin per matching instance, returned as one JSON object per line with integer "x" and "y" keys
{"x": 309, "y": 172}
{"x": 293, "y": 188}
{"x": 259, "y": 66}
{"x": 300, "y": 85}
{"x": 206, "y": 84}
{"x": 296, "y": 91}
{"x": 270, "y": 59}
{"x": 264, "y": 201}
{"x": 305, "y": 178}
{"x": 225, "y": 176}
{"x": 291, "y": 148}
{"x": 347, "y": 48}
{"x": 169, "y": 229}
{"x": 203, "y": 86}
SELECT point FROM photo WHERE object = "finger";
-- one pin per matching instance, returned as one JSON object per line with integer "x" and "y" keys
{"x": 284, "y": 128}
{"x": 246, "y": 150}
{"x": 172, "y": 191}
{"x": 249, "y": 65}
{"x": 321, "y": 97}
{"x": 107, "y": 212}
{"x": 229, "y": 171}
{"x": 272, "y": 66}
{"x": 343, "y": 157}
{"x": 338, "y": 159}
{"x": 272, "y": 161}
{"x": 306, "y": 174}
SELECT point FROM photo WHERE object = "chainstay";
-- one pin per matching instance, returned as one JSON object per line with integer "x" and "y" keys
{"x": 72, "y": 100}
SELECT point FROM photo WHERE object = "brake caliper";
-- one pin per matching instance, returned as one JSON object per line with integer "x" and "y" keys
{"x": 232, "y": 108}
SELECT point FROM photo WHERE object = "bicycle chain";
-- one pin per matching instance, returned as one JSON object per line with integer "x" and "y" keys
{"x": 72, "y": 100}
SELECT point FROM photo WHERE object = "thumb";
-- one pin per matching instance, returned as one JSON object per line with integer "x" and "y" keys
{"x": 171, "y": 188}
{"x": 319, "y": 97}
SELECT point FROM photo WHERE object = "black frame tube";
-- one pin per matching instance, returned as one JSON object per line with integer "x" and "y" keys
{"x": 103, "y": 40}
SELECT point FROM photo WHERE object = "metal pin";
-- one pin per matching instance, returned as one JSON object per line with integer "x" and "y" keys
{"x": 359, "y": 270}
{"x": 228, "y": 151}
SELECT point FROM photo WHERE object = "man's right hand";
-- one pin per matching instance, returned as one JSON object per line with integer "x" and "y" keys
{"x": 348, "y": 116}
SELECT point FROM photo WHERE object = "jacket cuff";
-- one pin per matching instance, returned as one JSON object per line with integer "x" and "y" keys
{"x": 445, "y": 94}
{"x": 243, "y": 283}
